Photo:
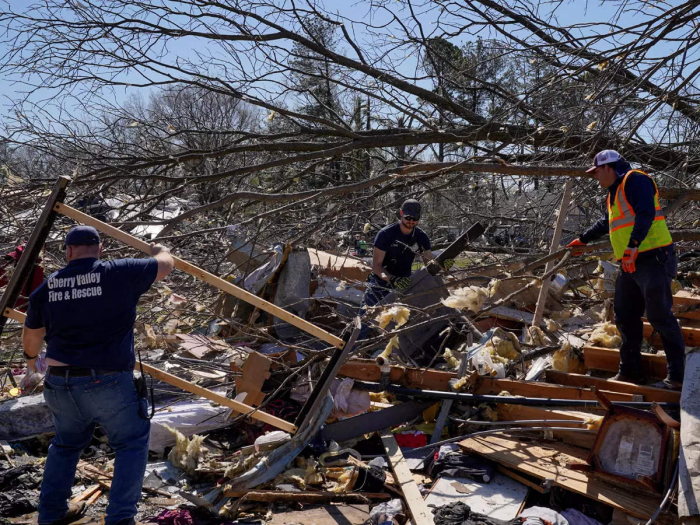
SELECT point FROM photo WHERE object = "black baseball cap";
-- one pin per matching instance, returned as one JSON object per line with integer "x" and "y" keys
{"x": 81, "y": 235}
{"x": 411, "y": 207}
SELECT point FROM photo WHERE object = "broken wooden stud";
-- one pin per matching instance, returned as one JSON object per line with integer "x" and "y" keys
{"x": 203, "y": 275}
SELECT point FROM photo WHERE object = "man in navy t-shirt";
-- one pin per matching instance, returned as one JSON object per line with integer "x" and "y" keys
{"x": 85, "y": 312}
{"x": 395, "y": 247}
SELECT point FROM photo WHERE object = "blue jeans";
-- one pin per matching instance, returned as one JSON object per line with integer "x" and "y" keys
{"x": 78, "y": 404}
{"x": 649, "y": 287}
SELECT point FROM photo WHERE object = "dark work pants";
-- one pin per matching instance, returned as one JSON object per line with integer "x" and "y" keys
{"x": 377, "y": 289}
{"x": 649, "y": 287}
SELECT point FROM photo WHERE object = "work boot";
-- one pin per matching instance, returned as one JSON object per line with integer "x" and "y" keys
{"x": 75, "y": 512}
{"x": 628, "y": 379}
{"x": 669, "y": 384}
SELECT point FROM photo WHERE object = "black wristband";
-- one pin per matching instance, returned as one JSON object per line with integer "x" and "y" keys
{"x": 28, "y": 357}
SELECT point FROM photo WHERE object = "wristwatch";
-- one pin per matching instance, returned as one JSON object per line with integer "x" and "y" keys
{"x": 29, "y": 357}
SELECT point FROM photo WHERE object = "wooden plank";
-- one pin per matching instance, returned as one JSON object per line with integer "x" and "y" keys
{"x": 414, "y": 499}
{"x": 608, "y": 359}
{"x": 241, "y": 408}
{"x": 368, "y": 370}
{"x": 31, "y": 251}
{"x": 545, "y": 390}
{"x": 237, "y": 406}
{"x": 685, "y": 299}
{"x": 256, "y": 370}
{"x": 203, "y": 275}
{"x": 558, "y": 226}
{"x": 86, "y": 493}
{"x": 579, "y": 380}
{"x": 689, "y": 329}
{"x": 550, "y": 462}
{"x": 15, "y": 315}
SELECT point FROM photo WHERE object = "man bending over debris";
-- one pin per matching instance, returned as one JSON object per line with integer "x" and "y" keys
{"x": 642, "y": 242}
{"x": 394, "y": 254}
{"x": 86, "y": 313}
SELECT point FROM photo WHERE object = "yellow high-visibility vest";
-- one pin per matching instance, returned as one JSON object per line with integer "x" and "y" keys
{"x": 621, "y": 222}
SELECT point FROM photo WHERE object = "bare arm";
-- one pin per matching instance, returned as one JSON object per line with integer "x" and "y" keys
{"x": 32, "y": 341}
{"x": 166, "y": 263}
{"x": 377, "y": 260}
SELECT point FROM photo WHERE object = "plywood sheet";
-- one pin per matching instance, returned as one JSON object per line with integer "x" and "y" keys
{"x": 500, "y": 499}
{"x": 550, "y": 462}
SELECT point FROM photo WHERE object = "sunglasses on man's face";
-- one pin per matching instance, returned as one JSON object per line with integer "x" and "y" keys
{"x": 411, "y": 218}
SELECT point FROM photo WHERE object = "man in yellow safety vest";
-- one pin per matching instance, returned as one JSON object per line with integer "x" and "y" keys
{"x": 642, "y": 243}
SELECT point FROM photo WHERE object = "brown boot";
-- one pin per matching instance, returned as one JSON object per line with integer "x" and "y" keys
{"x": 669, "y": 384}
{"x": 75, "y": 512}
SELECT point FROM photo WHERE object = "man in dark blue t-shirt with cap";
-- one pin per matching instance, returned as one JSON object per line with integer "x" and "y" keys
{"x": 85, "y": 312}
{"x": 395, "y": 247}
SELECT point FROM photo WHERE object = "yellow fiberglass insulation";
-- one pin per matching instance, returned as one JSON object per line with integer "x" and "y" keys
{"x": 399, "y": 314}
{"x": 676, "y": 286}
{"x": 552, "y": 325}
{"x": 187, "y": 453}
{"x": 470, "y": 298}
{"x": 346, "y": 481}
{"x": 535, "y": 336}
{"x": 382, "y": 397}
{"x": 606, "y": 335}
{"x": 450, "y": 359}
{"x": 594, "y": 422}
{"x": 566, "y": 360}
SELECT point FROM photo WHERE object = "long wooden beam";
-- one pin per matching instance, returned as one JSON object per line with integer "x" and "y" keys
{"x": 578, "y": 380}
{"x": 608, "y": 359}
{"x": 685, "y": 299}
{"x": 691, "y": 334}
{"x": 237, "y": 406}
{"x": 203, "y": 275}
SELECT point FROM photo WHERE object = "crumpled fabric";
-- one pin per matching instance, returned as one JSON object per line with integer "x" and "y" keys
{"x": 173, "y": 517}
{"x": 575, "y": 517}
{"x": 411, "y": 439}
{"x": 463, "y": 466}
{"x": 543, "y": 513}
{"x": 346, "y": 401}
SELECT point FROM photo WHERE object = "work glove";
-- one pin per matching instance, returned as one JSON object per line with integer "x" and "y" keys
{"x": 574, "y": 244}
{"x": 32, "y": 378}
{"x": 628, "y": 260}
{"x": 400, "y": 283}
{"x": 448, "y": 263}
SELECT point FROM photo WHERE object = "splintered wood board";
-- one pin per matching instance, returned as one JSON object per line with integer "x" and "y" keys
{"x": 684, "y": 299}
{"x": 648, "y": 393}
{"x": 608, "y": 359}
{"x": 550, "y": 462}
{"x": 500, "y": 499}
{"x": 544, "y": 390}
{"x": 414, "y": 499}
{"x": 689, "y": 329}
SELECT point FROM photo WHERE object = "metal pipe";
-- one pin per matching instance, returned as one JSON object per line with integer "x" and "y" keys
{"x": 499, "y": 430}
{"x": 521, "y": 422}
{"x": 524, "y": 401}
{"x": 485, "y": 432}
{"x": 666, "y": 499}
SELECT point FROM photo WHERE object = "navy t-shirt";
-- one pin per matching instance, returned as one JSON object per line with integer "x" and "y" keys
{"x": 88, "y": 309}
{"x": 399, "y": 248}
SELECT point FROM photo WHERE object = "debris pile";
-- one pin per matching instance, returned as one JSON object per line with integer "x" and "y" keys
{"x": 445, "y": 404}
